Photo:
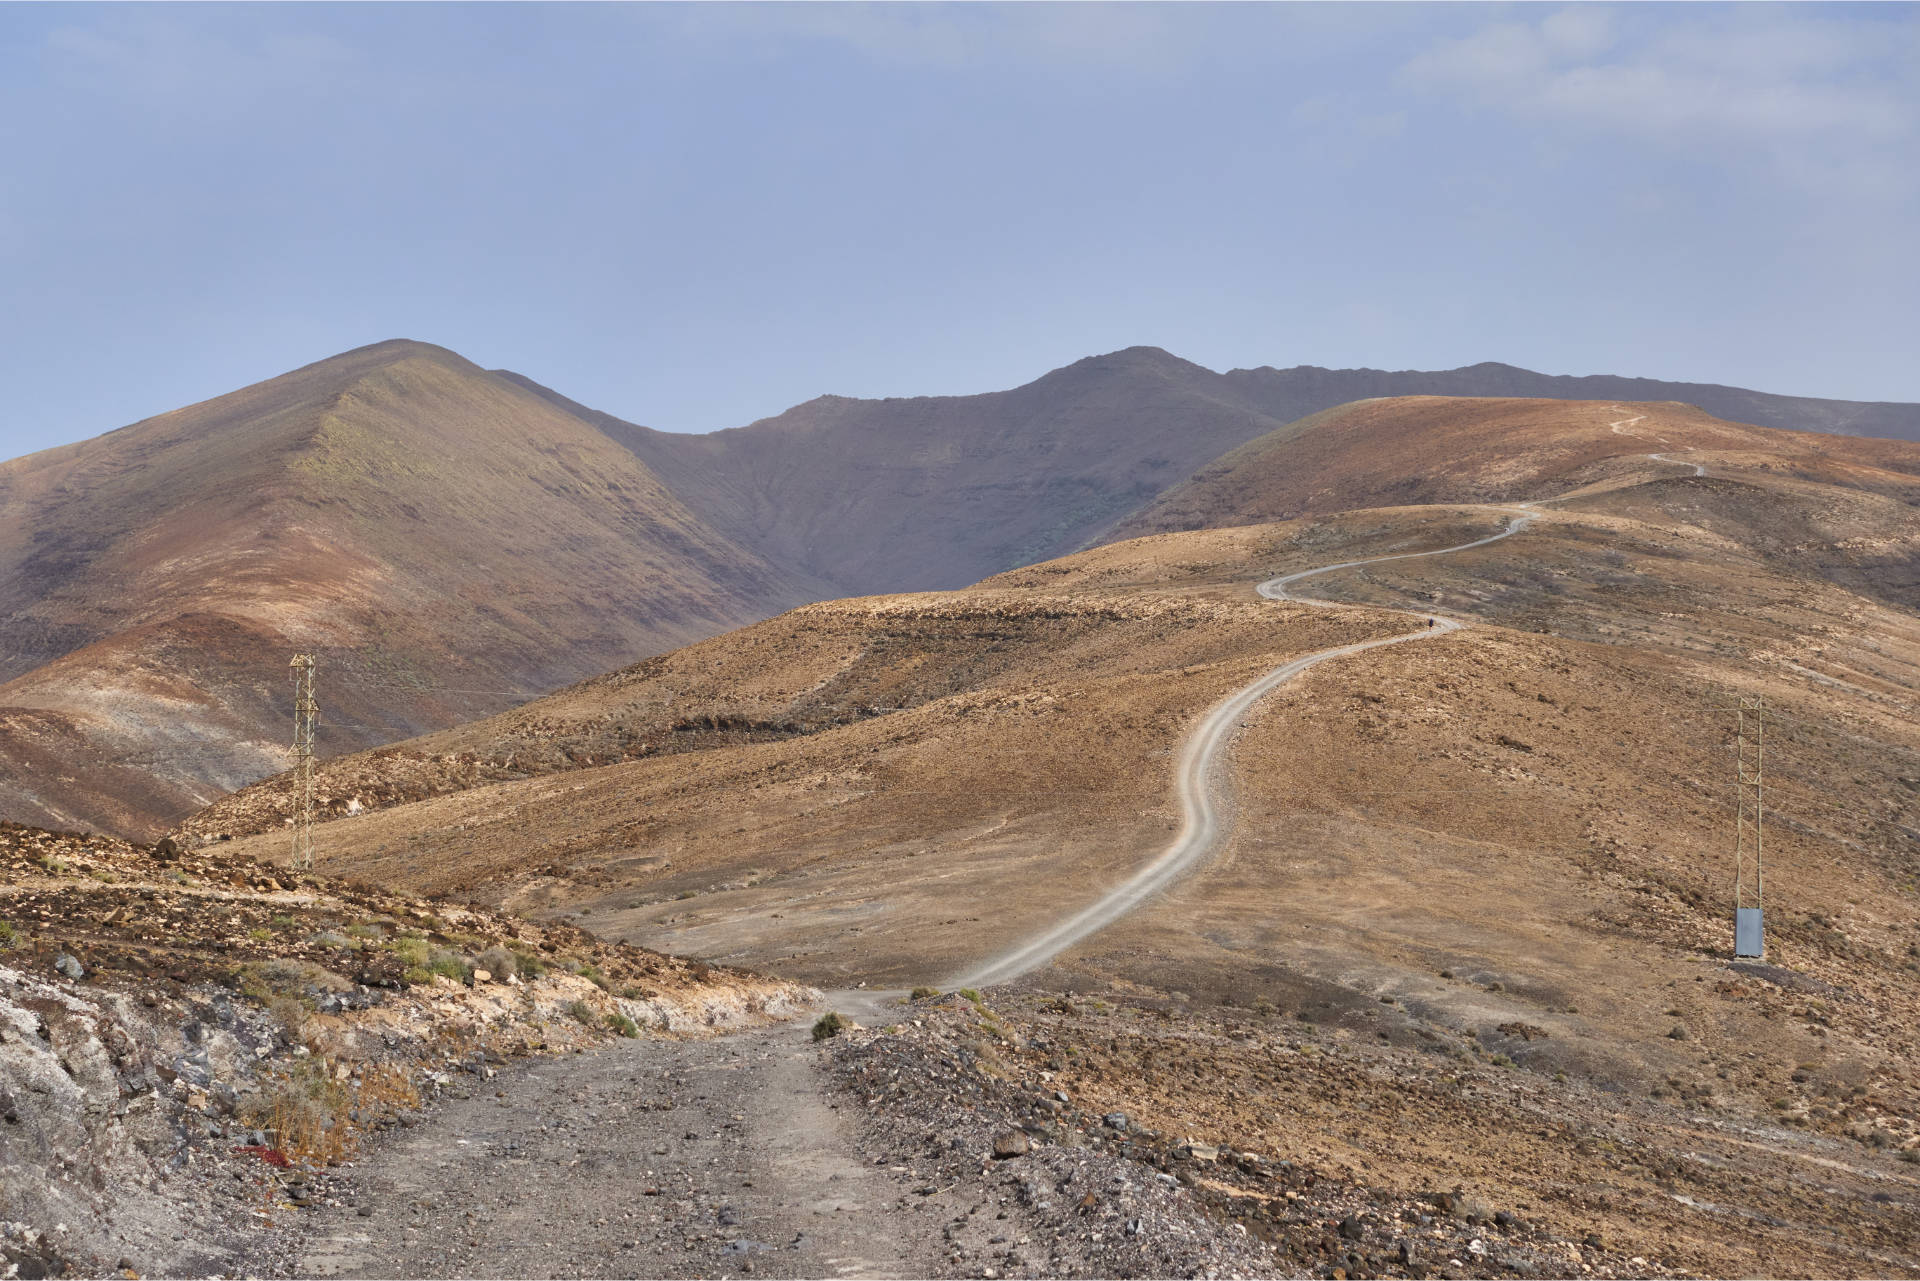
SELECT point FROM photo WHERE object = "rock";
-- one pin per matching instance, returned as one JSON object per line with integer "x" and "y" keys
{"x": 68, "y": 966}
{"x": 1506, "y": 1219}
{"x": 482, "y": 976}
{"x": 1404, "y": 1253}
{"x": 1352, "y": 1229}
{"x": 1677, "y": 1034}
{"x": 1115, "y": 1120}
{"x": 1011, "y": 1143}
{"x": 1199, "y": 1152}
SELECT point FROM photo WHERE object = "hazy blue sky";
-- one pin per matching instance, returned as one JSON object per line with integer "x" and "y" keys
{"x": 696, "y": 216}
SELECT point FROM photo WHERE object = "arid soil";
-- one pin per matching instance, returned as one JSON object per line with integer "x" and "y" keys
{"x": 1493, "y": 870}
{"x": 188, "y": 1042}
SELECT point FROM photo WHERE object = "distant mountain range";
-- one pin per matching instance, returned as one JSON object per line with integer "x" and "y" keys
{"x": 453, "y": 541}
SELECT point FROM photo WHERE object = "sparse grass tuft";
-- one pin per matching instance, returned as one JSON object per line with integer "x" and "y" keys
{"x": 830, "y": 1024}
{"x": 411, "y": 950}
{"x": 923, "y": 994}
{"x": 973, "y": 995}
{"x": 8, "y": 935}
{"x": 622, "y": 1024}
{"x": 582, "y": 1013}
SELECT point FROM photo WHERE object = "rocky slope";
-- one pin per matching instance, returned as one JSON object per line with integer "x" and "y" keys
{"x": 188, "y": 1042}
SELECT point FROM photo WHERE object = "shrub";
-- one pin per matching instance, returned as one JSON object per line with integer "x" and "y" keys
{"x": 830, "y": 1024}
{"x": 582, "y": 1012}
{"x": 7, "y": 935}
{"x": 972, "y": 995}
{"x": 365, "y": 930}
{"x": 411, "y": 950}
{"x": 622, "y": 1024}
{"x": 923, "y": 994}
{"x": 498, "y": 962}
{"x": 258, "y": 935}
{"x": 290, "y": 1014}
{"x": 266, "y": 981}
{"x": 445, "y": 961}
{"x": 530, "y": 966}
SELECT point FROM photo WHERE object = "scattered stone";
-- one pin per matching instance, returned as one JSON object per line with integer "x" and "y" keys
{"x": 1010, "y": 1143}
{"x": 68, "y": 966}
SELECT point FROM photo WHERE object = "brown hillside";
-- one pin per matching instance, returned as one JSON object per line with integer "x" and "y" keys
{"x": 923, "y": 492}
{"x": 1425, "y": 449}
{"x": 446, "y": 541}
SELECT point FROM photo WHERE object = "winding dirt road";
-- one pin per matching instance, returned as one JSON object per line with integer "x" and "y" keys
{"x": 1204, "y": 792}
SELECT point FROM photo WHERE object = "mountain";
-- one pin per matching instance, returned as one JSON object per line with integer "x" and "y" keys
{"x": 940, "y": 491}
{"x": 1431, "y": 449}
{"x": 1306, "y": 389}
{"x": 445, "y": 541}
{"x": 453, "y": 540}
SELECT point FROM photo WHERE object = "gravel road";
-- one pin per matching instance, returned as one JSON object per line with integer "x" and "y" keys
{"x": 695, "y": 1158}
{"x": 1198, "y": 782}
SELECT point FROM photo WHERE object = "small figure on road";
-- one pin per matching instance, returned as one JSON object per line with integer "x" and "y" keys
{"x": 1432, "y": 621}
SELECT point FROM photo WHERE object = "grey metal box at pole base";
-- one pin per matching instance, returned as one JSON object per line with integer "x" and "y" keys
{"x": 1747, "y": 936}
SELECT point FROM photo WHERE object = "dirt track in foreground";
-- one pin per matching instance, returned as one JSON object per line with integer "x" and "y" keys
{"x": 691, "y": 1158}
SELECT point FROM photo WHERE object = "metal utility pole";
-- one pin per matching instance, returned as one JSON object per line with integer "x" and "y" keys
{"x": 305, "y": 711}
{"x": 1749, "y": 824}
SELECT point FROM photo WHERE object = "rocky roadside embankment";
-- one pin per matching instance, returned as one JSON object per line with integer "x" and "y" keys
{"x": 188, "y": 1041}
{"x": 1050, "y": 1135}
{"x": 1028, "y": 1182}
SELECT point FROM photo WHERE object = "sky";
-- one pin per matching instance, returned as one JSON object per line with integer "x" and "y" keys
{"x": 696, "y": 216}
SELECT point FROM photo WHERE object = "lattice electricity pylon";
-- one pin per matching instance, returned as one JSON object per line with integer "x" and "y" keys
{"x": 1749, "y": 824}
{"x": 305, "y": 712}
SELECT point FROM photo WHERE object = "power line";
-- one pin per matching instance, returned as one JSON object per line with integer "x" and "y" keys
{"x": 305, "y": 711}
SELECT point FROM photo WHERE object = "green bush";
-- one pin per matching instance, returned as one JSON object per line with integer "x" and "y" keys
{"x": 923, "y": 994}
{"x": 498, "y": 962}
{"x": 830, "y": 1024}
{"x": 7, "y": 935}
{"x": 582, "y": 1012}
{"x": 972, "y": 995}
{"x": 411, "y": 950}
{"x": 622, "y": 1024}
{"x": 451, "y": 964}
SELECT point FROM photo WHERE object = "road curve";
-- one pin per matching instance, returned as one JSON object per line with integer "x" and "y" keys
{"x": 1198, "y": 784}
